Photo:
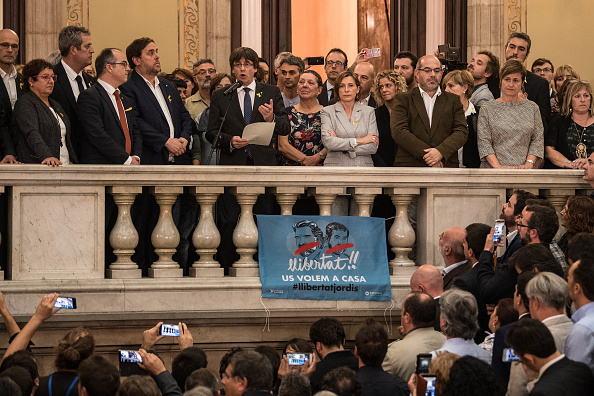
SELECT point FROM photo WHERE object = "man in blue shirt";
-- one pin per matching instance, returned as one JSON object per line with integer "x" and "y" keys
{"x": 579, "y": 345}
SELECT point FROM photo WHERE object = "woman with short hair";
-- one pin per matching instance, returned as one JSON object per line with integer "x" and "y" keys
{"x": 510, "y": 131}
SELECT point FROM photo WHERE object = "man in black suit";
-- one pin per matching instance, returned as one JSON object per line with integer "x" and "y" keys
{"x": 518, "y": 47}
{"x": 335, "y": 63}
{"x": 328, "y": 337}
{"x": 428, "y": 279}
{"x": 534, "y": 344}
{"x": 249, "y": 103}
{"x": 10, "y": 91}
{"x": 77, "y": 51}
{"x": 109, "y": 132}
{"x": 476, "y": 235}
{"x": 454, "y": 250}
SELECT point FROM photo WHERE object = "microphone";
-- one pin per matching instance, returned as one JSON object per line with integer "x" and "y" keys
{"x": 232, "y": 88}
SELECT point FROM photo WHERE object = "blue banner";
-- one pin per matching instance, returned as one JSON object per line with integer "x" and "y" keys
{"x": 323, "y": 258}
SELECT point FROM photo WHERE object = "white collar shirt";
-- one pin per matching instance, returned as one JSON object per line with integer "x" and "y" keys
{"x": 110, "y": 92}
{"x": 449, "y": 268}
{"x": 330, "y": 89}
{"x": 71, "y": 74}
{"x": 9, "y": 80}
{"x": 429, "y": 102}
{"x": 241, "y": 94}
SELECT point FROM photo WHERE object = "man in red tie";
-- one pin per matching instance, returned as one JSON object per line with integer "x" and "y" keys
{"x": 109, "y": 132}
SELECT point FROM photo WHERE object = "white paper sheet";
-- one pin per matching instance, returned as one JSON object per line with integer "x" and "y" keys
{"x": 259, "y": 133}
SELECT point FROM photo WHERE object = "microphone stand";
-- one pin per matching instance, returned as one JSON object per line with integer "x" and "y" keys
{"x": 214, "y": 143}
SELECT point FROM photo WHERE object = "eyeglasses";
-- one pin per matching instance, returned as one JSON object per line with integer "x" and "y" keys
{"x": 46, "y": 77}
{"x": 522, "y": 225}
{"x": 545, "y": 70}
{"x": 214, "y": 71}
{"x": 123, "y": 63}
{"x": 337, "y": 63}
{"x": 429, "y": 70}
{"x": 239, "y": 65}
{"x": 8, "y": 45}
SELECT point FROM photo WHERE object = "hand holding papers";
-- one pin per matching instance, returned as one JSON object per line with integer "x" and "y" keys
{"x": 259, "y": 133}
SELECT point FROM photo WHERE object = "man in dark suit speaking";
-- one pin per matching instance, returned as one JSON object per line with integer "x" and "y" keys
{"x": 164, "y": 122}
{"x": 250, "y": 102}
{"x": 109, "y": 132}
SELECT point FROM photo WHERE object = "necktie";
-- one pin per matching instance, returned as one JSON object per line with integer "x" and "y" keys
{"x": 331, "y": 94}
{"x": 81, "y": 87}
{"x": 123, "y": 121}
{"x": 247, "y": 106}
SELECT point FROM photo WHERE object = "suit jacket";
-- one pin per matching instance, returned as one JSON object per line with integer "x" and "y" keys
{"x": 437, "y": 324}
{"x": 102, "y": 136}
{"x": 235, "y": 123}
{"x": 323, "y": 96}
{"x": 494, "y": 286}
{"x": 38, "y": 131}
{"x": 63, "y": 94}
{"x": 560, "y": 328}
{"x": 565, "y": 377}
{"x": 410, "y": 128}
{"x": 450, "y": 277}
{"x": 376, "y": 382}
{"x": 470, "y": 154}
{"x": 537, "y": 89}
{"x": 342, "y": 150}
{"x": 330, "y": 362}
{"x": 499, "y": 366}
{"x": 151, "y": 121}
{"x": 469, "y": 281}
{"x": 167, "y": 384}
{"x": 7, "y": 129}
{"x": 514, "y": 245}
{"x": 386, "y": 151}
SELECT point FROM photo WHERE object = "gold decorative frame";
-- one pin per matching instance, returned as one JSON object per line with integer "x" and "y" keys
{"x": 188, "y": 37}
{"x": 516, "y": 16}
{"x": 77, "y": 12}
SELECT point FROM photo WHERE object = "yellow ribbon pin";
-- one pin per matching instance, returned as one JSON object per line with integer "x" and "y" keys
{"x": 357, "y": 120}
{"x": 169, "y": 98}
{"x": 259, "y": 94}
{"x": 128, "y": 109}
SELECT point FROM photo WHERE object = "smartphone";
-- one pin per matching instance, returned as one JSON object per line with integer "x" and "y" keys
{"x": 373, "y": 53}
{"x": 129, "y": 363}
{"x": 315, "y": 60}
{"x": 499, "y": 223}
{"x": 426, "y": 385}
{"x": 66, "y": 302}
{"x": 298, "y": 359}
{"x": 510, "y": 356}
{"x": 169, "y": 330}
{"x": 423, "y": 360}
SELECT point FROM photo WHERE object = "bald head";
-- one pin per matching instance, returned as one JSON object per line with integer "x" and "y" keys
{"x": 452, "y": 245}
{"x": 365, "y": 73}
{"x": 9, "y": 49}
{"x": 427, "y": 279}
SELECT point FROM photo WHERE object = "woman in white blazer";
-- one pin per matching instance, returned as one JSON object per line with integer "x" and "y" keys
{"x": 349, "y": 130}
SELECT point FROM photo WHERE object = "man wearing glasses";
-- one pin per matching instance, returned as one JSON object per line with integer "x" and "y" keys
{"x": 10, "y": 91}
{"x": 427, "y": 124}
{"x": 544, "y": 68}
{"x": 77, "y": 51}
{"x": 204, "y": 72}
{"x": 335, "y": 63}
{"x": 109, "y": 134}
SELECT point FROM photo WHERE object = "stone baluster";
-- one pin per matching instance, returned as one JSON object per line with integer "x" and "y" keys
{"x": 165, "y": 237}
{"x": 558, "y": 198}
{"x": 286, "y": 197}
{"x": 325, "y": 197}
{"x": 364, "y": 198}
{"x": 401, "y": 235}
{"x": 124, "y": 237}
{"x": 206, "y": 237}
{"x": 245, "y": 235}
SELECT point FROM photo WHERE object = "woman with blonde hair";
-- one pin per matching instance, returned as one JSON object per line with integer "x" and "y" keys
{"x": 75, "y": 347}
{"x": 563, "y": 72}
{"x": 570, "y": 139}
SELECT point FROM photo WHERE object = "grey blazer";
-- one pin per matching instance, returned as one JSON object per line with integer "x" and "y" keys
{"x": 38, "y": 130}
{"x": 343, "y": 149}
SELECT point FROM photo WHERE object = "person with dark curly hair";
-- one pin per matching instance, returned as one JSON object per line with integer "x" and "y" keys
{"x": 471, "y": 376}
{"x": 577, "y": 216}
{"x": 75, "y": 347}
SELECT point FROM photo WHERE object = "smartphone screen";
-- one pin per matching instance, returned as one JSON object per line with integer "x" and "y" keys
{"x": 298, "y": 359}
{"x": 315, "y": 60}
{"x": 498, "y": 230}
{"x": 373, "y": 53}
{"x": 430, "y": 391}
{"x": 423, "y": 361}
{"x": 130, "y": 357}
{"x": 169, "y": 330}
{"x": 510, "y": 356}
{"x": 66, "y": 302}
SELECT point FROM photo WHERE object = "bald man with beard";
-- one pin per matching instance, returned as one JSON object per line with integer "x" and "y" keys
{"x": 428, "y": 279}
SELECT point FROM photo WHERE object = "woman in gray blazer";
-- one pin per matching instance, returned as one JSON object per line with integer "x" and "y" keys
{"x": 43, "y": 129}
{"x": 349, "y": 130}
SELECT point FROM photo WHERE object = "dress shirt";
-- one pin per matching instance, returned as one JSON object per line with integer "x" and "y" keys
{"x": 290, "y": 102}
{"x": 429, "y": 102}
{"x": 510, "y": 237}
{"x": 449, "y": 268}
{"x": 579, "y": 345}
{"x": 72, "y": 79}
{"x": 558, "y": 254}
{"x": 110, "y": 90}
{"x": 328, "y": 88}
{"x": 549, "y": 364}
{"x": 10, "y": 84}
{"x": 464, "y": 347}
{"x": 241, "y": 94}
{"x": 365, "y": 101}
{"x": 64, "y": 156}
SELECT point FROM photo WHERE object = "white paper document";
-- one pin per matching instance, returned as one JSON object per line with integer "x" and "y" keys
{"x": 259, "y": 133}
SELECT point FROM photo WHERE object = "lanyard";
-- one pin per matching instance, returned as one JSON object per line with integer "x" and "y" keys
{"x": 69, "y": 388}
